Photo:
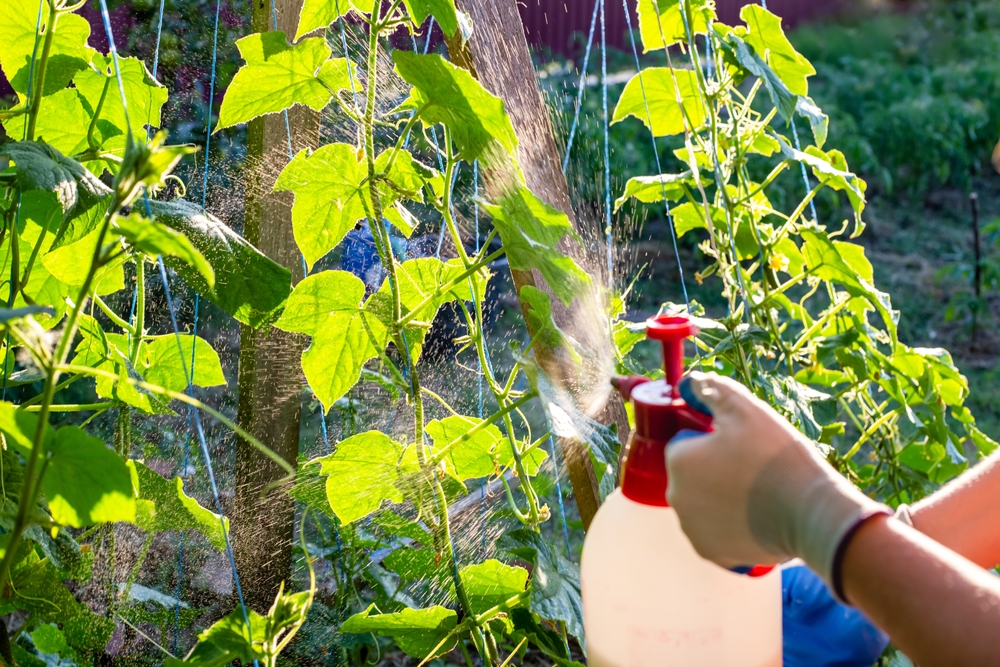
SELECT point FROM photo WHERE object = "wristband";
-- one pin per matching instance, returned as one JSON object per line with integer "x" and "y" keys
{"x": 837, "y": 578}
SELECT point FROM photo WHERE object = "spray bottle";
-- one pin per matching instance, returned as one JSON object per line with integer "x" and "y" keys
{"x": 649, "y": 599}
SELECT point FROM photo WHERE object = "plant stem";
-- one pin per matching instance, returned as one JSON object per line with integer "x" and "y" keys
{"x": 36, "y": 98}
{"x": 139, "y": 326}
{"x": 97, "y": 115}
{"x": 32, "y": 486}
{"x": 114, "y": 317}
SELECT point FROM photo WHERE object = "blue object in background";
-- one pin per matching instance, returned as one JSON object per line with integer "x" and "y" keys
{"x": 360, "y": 256}
{"x": 821, "y": 632}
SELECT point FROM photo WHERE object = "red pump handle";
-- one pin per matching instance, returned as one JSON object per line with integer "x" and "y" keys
{"x": 671, "y": 330}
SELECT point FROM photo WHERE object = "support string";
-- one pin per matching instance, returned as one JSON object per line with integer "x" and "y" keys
{"x": 656, "y": 155}
{"x": 581, "y": 86}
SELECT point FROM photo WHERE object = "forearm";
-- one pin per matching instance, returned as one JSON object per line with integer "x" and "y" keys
{"x": 938, "y": 607}
{"x": 965, "y": 515}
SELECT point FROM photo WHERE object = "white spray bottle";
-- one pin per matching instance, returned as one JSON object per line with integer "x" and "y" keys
{"x": 649, "y": 600}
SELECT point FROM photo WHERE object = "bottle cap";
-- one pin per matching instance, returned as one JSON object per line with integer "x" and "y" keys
{"x": 660, "y": 413}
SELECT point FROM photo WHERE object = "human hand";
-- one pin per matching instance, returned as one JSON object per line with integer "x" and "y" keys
{"x": 754, "y": 490}
{"x": 818, "y": 631}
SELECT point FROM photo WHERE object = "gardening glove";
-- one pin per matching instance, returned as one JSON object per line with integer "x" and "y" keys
{"x": 755, "y": 491}
{"x": 818, "y": 631}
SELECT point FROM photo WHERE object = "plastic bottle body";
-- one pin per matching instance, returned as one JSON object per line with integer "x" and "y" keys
{"x": 650, "y": 600}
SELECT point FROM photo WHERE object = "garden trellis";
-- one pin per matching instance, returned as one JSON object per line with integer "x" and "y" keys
{"x": 804, "y": 325}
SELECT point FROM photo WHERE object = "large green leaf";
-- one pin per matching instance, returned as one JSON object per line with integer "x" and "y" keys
{"x": 163, "y": 505}
{"x": 361, "y": 474}
{"x": 333, "y": 362}
{"x": 19, "y": 428}
{"x": 491, "y": 583}
{"x": 154, "y": 238}
{"x": 42, "y": 167}
{"x": 444, "y": 93}
{"x": 418, "y": 632}
{"x": 144, "y": 94}
{"x": 85, "y": 482}
{"x": 765, "y": 35}
{"x": 277, "y": 75}
{"x": 328, "y": 203}
{"x": 784, "y": 100}
{"x": 248, "y": 285}
{"x": 555, "y": 581}
{"x": 442, "y": 10}
{"x": 421, "y": 281}
{"x": 62, "y": 122}
{"x": 68, "y": 54}
{"x": 656, "y": 189}
{"x": 317, "y": 14}
{"x": 70, "y": 265}
{"x": 651, "y": 96}
{"x": 167, "y": 368}
{"x": 473, "y": 456}
{"x": 661, "y": 22}
{"x": 531, "y": 230}
{"x": 317, "y": 298}
{"x": 327, "y": 306}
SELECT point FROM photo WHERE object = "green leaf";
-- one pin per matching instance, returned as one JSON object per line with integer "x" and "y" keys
{"x": 163, "y": 505}
{"x": 768, "y": 40}
{"x": 400, "y": 527}
{"x": 417, "y": 564}
{"x": 70, "y": 265}
{"x": 362, "y": 473}
{"x": 42, "y": 167}
{"x": 50, "y": 639}
{"x": 317, "y": 298}
{"x": 819, "y": 122}
{"x": 538, "y": 310}
{"x": 531, "y": 231}
{"x": 656, "y": 87}
{"x": 62, "y": 122}
{"x": 228, "y": 640}
{"x": 317, "y": 14}
{"x": 474, "y": 455}
{"x": 444, "y": 93}
{"x": 845, "y": 264}
{"x": 417, "y": 632}
{"x": 442, "y": 10}
{"x": 545, "y": 639}
{"x": 68, "y": 54}
{"x": 491, "y": 583}
{"x": 333, "y": 362}
{"x": 19, "y": 428}
{"x": 85, "y": 482}
{"x": 249, "y": 285}
{"x": 784, "y": 100}
{"x": 154, "y": 238}
{"x": 327, "y": 185}
{"x": 339, "y": 74}
{"x": 144, "y": 94}
{"x": 166, "y": 367}
{"x": 661, "y": 22}
{"x": 689, "y": 216}
{"x": 831, "y": 170}
{"x": 277, "y": 75}
{"x": 422, "y": 278}
{"x": 555, "y": 581}
{"x": 656, "y": 189}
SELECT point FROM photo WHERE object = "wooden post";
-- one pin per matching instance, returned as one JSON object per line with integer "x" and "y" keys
{"x": 270, "y": 373}
{"x": 497, "y": 54}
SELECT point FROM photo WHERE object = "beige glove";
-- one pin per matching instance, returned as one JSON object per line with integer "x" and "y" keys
{"x": 755, "y": 491}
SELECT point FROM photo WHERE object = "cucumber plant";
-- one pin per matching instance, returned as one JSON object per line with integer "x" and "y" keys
{"x": 806, "y": 327}
{"x": 82, "y": 167}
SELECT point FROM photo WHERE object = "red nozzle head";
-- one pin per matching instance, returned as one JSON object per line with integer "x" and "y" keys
{"x": 671, "y": 331}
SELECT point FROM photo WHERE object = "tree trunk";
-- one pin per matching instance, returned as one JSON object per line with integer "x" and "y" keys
{"x": 270, "y": 372}
{"x": 497, "y": 54}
